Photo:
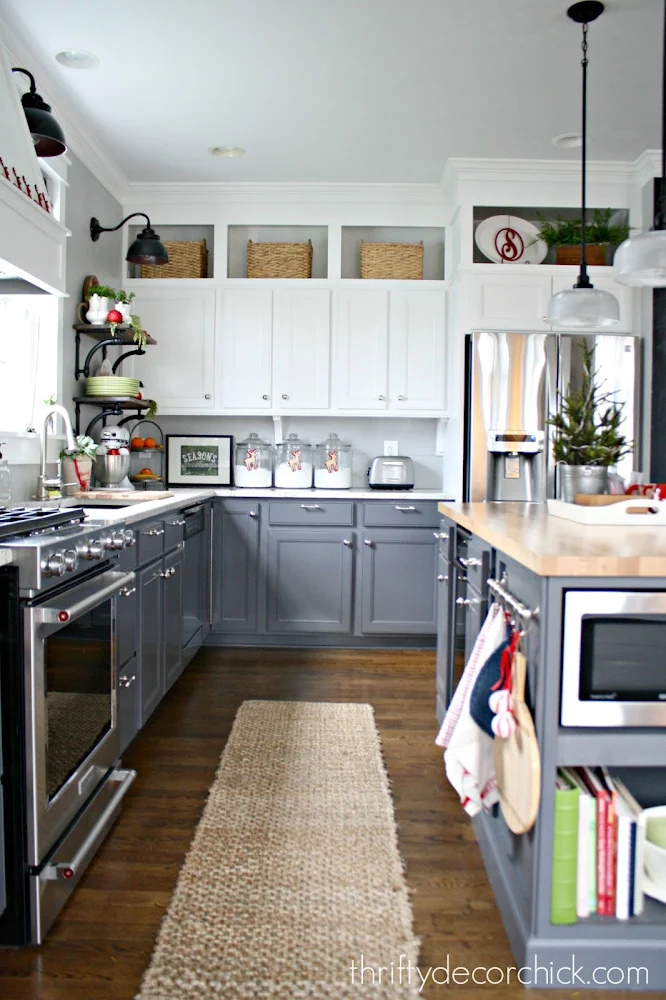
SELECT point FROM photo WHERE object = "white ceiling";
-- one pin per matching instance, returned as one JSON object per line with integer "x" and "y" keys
{"x": 346, "y": 90}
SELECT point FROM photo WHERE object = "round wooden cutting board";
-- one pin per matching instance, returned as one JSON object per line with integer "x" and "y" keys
{"x": 517, "y": 760}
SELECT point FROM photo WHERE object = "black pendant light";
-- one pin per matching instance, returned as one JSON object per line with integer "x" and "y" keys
{"x": 146, "y": 248}
{"x": 583, "y": 306}
{"x": 47, "y": 136}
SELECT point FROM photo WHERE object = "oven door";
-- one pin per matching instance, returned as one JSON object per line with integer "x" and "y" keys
{"x": 613, "y": 668}
{"x": 70, "y": 703}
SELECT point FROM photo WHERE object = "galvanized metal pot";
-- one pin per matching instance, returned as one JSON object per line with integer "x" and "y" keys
{"x": 581, "y": 479}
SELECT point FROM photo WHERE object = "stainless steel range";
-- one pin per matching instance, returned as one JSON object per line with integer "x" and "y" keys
{"x": 60, "y": 601}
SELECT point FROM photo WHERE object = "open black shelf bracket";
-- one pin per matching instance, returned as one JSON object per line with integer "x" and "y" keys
{"x": 127, "y": 354}
{"x": 100, "y": 346}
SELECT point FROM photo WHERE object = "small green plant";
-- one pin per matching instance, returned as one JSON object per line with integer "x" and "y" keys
{"x": 567, "y": 232}
{"x": 51, "y": 400}
{"x": 587, "y": 426}
{"x": 151, "y": 412}
{"x": 105, "y": 291}
{"x": 124, "y": 297}
{"x": 139, "y": 335}
{"x": 85, "y": 448}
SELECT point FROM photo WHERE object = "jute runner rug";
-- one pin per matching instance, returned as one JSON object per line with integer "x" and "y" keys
{"x": 293, "y": 886}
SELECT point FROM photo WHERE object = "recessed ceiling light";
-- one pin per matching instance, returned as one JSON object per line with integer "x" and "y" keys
{"x": 228, "y": 151}
{"x": 77, "y": 59}
{"x": 568, "y": 140}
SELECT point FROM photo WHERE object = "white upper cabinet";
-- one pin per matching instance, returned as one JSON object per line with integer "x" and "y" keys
{"x": 507, "y": 301}
{"x": 180, "y": 370}
{"x": 360, "y": 348}
{"x": 245, "y": 344}
{"x": 417, "y": 350}
{"x": 301, "y": 349}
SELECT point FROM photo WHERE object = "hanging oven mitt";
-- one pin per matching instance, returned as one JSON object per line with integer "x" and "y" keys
{"x": 489, "y": 679}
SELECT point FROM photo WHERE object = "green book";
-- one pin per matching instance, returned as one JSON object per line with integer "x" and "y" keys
{"x": 565, "y": 853}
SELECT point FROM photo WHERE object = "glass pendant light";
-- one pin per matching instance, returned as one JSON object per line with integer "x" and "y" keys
{"x": 583, "y": 307}
{"x": 641, "y": 260}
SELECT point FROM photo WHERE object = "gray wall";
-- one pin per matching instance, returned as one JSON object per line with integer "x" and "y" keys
{"x": 86, "y": 197}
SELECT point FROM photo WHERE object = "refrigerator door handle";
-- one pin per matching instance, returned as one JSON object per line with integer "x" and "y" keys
{"x": 552, "y": 390}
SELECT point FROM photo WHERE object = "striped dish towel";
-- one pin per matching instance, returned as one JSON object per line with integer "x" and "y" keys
{"x": 490, "y": 629}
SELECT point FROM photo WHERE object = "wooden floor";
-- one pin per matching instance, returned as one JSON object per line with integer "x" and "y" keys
{"x": 102, "y": 942}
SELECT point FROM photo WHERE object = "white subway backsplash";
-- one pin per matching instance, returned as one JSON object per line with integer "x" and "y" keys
{"x": 416, "y": 437}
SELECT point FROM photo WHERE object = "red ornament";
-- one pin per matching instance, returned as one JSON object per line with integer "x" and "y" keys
{"x": 114, "y": 316}
{"x": 112, "y": 451}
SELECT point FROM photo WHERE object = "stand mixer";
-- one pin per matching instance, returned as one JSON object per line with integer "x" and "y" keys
{"x": 112, "y": 460}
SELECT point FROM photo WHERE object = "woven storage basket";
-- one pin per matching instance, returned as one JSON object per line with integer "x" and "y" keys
{"x": 187, "y": 259}
{"x": 279, "y": 260}
{"x": 391, "y": 260}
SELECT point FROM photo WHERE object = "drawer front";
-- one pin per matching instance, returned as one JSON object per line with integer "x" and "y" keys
{"x": 401, "y": 514}
{"x": 477, "y": 564}
{"x": 316, "y": 512}
{"x": 126, "y": 622}
{"x": 150, "y": 541}
{"x": 173, "y": 530}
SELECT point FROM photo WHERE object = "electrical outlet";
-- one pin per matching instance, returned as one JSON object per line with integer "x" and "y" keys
{"x": 390, "y": 447}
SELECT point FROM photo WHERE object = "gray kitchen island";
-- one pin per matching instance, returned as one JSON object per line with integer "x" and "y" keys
{"x": 573, "y": 578}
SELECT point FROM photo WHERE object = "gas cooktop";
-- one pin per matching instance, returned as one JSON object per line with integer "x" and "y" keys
{"x": 15, "y": 521}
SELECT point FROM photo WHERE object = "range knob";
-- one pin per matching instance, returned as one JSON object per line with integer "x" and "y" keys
{"x": 130, "y": 538}
{"x": 54, "y": 565}
{"x": 114, "y": 542}
{"x": 91, "y": 550}
{"x": 71, "y": 558}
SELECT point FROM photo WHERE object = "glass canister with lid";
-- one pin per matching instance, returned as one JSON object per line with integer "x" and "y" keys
{"x": 253, "y": 465}
{"x": 333, "y": 464}
{"x": 293, "y": 464}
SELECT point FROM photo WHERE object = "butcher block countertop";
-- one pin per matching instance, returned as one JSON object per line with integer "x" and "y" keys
{"x": 552, "y": 546}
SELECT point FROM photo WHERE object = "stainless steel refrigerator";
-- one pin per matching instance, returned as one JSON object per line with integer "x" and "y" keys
{"x": 513, "y": 384}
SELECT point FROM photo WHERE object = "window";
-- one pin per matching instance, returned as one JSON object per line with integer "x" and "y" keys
{"x": 28, "y": 359}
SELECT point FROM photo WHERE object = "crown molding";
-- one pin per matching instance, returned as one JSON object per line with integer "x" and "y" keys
{"x": 250, "y": 192}
{"x": 465, "y": 169}
{"x": 648, "y": 166}
{"x": 78, "y": 134}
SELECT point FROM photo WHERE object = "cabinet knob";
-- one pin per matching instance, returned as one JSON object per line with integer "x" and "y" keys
{"x": 401, "y": 398}
{"x": 127, "y": 591}
{"x": 126, "y": 682}
{"x": 207, "y": 396}
{"x": 381, "y": 398}
{"x": 265, "y": 396}
{"x": 441, "y": 578}
{"x": 467, "y": 601}
{"x": 367, "y": 541}
{"x": 346, "y": 541}
{"x": 285, "y": 396}
{"x": 253, "y": 513}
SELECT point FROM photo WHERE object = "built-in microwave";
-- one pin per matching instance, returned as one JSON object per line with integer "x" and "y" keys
{"x": 614, "y": 658}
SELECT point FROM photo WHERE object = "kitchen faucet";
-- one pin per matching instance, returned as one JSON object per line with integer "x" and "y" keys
{"x": 44, "y": 484}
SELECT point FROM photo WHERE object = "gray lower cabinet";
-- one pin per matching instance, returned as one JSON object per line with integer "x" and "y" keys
{"x": 398, "y": 581}
{"x": 309, "y": 579}
{"x": 151, "y": 608}
{"x": 235, "y": 528}
{"x": 173, "y": 617}
{"x": 128, "y": 703}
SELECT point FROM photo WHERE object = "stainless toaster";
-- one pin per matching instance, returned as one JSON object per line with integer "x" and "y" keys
{"x": 391, "y": 472}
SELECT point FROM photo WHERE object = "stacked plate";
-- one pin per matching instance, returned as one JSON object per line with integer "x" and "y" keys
{"x": 112, "y": 385}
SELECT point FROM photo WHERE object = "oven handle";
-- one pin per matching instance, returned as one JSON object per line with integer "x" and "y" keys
{"x": 59, "y": 615}
{"x": 67, "y": 870}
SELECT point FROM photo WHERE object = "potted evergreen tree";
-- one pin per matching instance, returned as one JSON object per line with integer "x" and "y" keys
{"x": 586, "y": 438}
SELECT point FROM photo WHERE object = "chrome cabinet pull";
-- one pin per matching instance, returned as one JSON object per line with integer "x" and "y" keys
{"x": 347, "y": 542}
{"x": 440, "y": 536}
{"x": 126, "y": 591}
{"x": 265, "y": 396}
{"x": 467, "y": 602}
{"x": 367, "y": 541}
{"x": 398, "y": 507}
{"x": 154, "y": 532}
{"x": 126, "y": 681}
{"x": 168, "y": 573}
{"x": 178, "y": 523}
{"x": 310, "y": 506}
{"x": 381, "y": 398}
{"x": 285, "y": 396}
{"x": 469, "y": 563}
{"x": 252, "y": 513}
{"x": 207, "y": 396}
{"x": 441, "y": 578}
{"x": 401, "y": 398}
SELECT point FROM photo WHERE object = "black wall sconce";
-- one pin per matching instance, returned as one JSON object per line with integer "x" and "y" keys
{"x": 47, "y": 136}
{"x": 146, "y": 248}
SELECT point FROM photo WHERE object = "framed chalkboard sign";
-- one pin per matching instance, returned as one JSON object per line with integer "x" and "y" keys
{"x": 199, "y": 460}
